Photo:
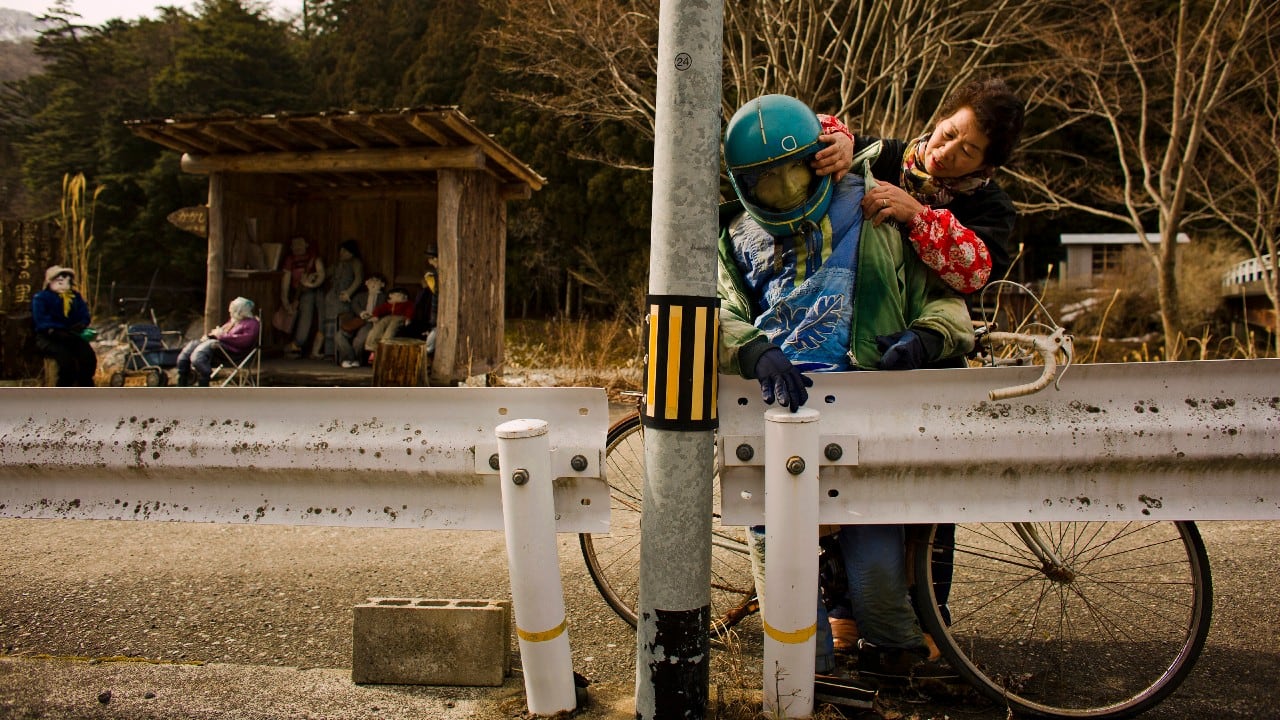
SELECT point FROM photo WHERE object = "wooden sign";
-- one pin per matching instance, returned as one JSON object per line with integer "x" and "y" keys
{"x": 194, "y": 220}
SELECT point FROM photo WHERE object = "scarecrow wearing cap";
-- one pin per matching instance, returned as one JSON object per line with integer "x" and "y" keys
{"x": 61, "y": 318}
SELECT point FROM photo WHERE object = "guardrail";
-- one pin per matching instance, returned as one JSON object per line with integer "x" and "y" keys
{"x": 366, "y": 457}
{"x": 1172, "y": 441}
{"x": 356, "y": 457}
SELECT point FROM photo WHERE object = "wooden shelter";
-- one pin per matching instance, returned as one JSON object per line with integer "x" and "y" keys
{"x": 404, "y": 184}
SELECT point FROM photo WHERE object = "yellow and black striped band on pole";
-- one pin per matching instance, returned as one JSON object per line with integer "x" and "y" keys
{"x": 681, "y": 365}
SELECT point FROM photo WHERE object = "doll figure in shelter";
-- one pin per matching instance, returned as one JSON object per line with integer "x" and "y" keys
{"x": 388, "y": 317}
{"x": 345, "y": 280}
{"x": 237, "y": 336}
{"x": 300, "y": 290}
{"x": 355, "y": 324}
{"x": 423, "y": 324}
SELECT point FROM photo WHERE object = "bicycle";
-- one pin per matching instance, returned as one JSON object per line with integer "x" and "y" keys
{"x": 613, "y": 560}
{"x": 1053, "y": 619}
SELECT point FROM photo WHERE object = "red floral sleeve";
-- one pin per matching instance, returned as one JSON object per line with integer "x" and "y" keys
{"x": 953, "y": 251}
{"x": 832, "y": 125}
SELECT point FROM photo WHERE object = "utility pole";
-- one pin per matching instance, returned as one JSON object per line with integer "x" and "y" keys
{"x": 672, "y": 644}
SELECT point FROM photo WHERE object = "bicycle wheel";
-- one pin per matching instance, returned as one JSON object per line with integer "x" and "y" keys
{"x": 613, "y": 558}
{"x": 1104, "y": 622}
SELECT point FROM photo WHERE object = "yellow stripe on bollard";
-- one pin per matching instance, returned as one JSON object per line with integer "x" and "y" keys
{"x": 794, "y": 637}
{"x": 545, "y": 635}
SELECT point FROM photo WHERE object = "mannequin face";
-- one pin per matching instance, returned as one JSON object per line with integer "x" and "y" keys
{"x": 397, "y": 297}
{"x": 61, "y": 284}
{"x": 957, "y": 146}
{"x": 298, "y": 245}
{"x": 784, "y": 187}
{"x": 374, "y": 284}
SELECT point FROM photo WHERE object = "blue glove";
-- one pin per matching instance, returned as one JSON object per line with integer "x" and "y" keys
{"x": 780, "y": 379}
{"x": 908, "y": 349}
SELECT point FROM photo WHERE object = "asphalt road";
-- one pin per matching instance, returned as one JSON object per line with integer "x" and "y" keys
{"x": 91, "y": 607}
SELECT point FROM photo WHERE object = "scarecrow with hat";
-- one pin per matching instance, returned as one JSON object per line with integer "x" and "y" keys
{"x": 61, "y": 318}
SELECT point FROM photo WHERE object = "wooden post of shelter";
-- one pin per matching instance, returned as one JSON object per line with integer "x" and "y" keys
{"x": 470, "y": 236}
{"x": 217, "y": 254}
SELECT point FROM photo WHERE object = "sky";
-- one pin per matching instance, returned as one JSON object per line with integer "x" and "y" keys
{"x": 97, "y": 12}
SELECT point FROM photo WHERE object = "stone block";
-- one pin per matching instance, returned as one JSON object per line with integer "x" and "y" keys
{"x": 416, "y": 641}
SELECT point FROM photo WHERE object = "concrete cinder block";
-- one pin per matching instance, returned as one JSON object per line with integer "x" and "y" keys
{"x": 415, "y": 641}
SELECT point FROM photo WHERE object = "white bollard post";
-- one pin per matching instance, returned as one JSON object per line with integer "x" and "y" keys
{"x": 791, "y": 569}
{"x": 529, "y": 518}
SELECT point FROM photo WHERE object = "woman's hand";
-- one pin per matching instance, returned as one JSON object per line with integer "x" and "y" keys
{"x": 889, "y": 202}
{"x": 836, "y": 158}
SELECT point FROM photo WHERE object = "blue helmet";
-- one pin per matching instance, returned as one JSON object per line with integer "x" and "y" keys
{"x": 766, "y": 132}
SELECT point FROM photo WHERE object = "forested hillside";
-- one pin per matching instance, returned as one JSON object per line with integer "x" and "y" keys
{"x": 1131, "y": 103}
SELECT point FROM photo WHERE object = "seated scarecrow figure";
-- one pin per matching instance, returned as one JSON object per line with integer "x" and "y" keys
{"x": 237, "y": 336}
{"x": 61, "y": 318}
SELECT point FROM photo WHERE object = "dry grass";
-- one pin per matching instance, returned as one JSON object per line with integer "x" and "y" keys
{"x": 1119, "y": 319}
{"x": 594, "y": 353}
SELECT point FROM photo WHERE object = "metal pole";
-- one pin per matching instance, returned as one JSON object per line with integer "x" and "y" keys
{"x": 529, "y": 518}
{"x": 672, "y": 645}
{"x": 789, "y": 602}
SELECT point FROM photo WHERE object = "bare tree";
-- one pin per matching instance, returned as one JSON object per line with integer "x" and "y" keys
{"x": 883, "y": 66}
{"x": 1242, "y": 186}
{"x": 591, "y": 60}
{"x": 1155, "y": 84}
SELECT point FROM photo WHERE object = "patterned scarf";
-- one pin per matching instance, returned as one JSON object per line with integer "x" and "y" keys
{"x": 930, "y": 190}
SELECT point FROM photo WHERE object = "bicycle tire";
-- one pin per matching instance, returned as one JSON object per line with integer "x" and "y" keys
{"x": 1109, "y": 636}
{"x": 613, "y": 558}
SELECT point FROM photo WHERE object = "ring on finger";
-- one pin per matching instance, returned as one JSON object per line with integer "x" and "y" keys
{"x": 884, "y": 202}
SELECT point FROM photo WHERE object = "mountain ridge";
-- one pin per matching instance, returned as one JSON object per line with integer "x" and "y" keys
{"x": 17, "y": 25}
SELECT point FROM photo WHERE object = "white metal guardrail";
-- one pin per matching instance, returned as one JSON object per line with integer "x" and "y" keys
{"x": 359, "y": 457}
{"x": 1252, "y": 270}
{"x": 1168, "y": 441}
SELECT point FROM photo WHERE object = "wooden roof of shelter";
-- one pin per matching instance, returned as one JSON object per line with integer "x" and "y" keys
{"x": 341, "y": 149}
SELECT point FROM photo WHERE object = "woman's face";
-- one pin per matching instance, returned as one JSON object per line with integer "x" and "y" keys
{"x": 957, "y": 147}
{"x": 783, "y": 187}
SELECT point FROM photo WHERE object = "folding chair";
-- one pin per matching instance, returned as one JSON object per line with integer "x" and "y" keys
{"x": 240, "y": 370}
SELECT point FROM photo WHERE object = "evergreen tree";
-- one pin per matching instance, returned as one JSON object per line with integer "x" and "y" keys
{"x": 234, "y": 58}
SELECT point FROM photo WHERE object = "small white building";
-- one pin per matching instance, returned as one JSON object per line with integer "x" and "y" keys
{"x": 1091, "y": 255}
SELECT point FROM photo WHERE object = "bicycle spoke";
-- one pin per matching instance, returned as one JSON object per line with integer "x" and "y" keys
{"x": 1107, "y": 629}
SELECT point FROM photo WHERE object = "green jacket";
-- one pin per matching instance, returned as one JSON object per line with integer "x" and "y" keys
{"x": 894, "y": 291}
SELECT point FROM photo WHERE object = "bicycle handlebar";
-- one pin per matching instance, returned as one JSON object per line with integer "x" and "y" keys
{"x": 1047, "y": 346}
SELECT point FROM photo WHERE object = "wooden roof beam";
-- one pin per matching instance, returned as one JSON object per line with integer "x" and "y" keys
{"x": 429, "y": 130}
{"x": 299, "y": 130}
{"x": 339, "y": 129}
{"x": 193, "y": 138}
{"x": 500, "y": 155}
{"x": 467, "y": 157}
{"x": 222, "y": 134}
{"x": 261, "y": 135}
{"x": 159, "y": 138}
{"x": 377, "y": 126}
